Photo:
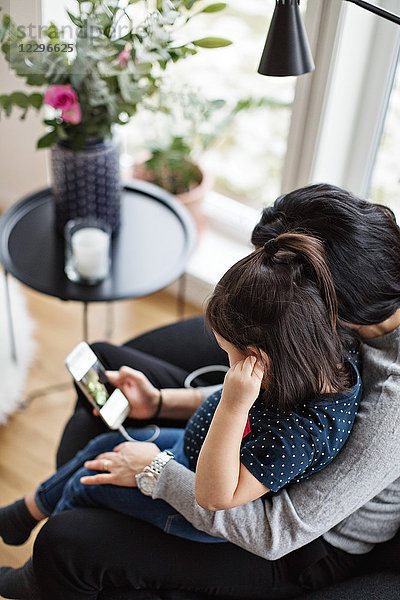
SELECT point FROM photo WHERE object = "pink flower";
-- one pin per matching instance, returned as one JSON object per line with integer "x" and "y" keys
{"x": 73, "y": 115}
{"x": 61, "y": 96}
{"x": 123, "y": 57}
{"x": 64, "y": 98}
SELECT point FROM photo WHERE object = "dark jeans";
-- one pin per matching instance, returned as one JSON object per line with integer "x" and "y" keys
{"x": 64, "y": 490}
{"x": 79, "y": 553}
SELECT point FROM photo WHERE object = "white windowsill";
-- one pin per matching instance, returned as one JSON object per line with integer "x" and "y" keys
{"x": 224, "y": 241}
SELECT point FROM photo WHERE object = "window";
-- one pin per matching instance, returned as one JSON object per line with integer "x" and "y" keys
{"x": 385, "y": 188}
{"x": 330, "y": 122}
{"x": 355, "y": 98}
{"x": 247, "y": 161}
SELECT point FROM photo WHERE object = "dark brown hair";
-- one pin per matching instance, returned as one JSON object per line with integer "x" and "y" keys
{"x": 281, "y": 299}
{"x": 361, "y": 242}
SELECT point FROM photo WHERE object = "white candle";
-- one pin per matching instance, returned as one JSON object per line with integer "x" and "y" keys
{"x": 90, "y": 252}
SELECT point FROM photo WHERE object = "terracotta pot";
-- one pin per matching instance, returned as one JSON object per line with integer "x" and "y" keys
{"x": 192, "y": 199}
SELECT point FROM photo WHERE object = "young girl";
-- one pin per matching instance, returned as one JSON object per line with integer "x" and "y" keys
{"x": 287, "y": 406}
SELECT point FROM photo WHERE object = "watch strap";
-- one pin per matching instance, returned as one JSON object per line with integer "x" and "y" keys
{"x": 159, "y": 462}
{"x": 147, "y": 479}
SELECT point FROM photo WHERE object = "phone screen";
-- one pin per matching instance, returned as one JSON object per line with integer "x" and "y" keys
{"x": 97, "y": 385}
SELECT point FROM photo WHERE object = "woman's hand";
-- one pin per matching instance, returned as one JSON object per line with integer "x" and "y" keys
{"x": 242, "y": 383}
{"x": 142, "y": 396}
{"x": 122, "y": 464}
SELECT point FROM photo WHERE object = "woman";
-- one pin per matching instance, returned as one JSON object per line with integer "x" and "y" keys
{"x": 362, "y": 242}
{"x": 287, "y": 405}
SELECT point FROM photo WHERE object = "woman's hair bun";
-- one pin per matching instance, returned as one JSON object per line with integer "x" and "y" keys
{"x": 271, "y": 247}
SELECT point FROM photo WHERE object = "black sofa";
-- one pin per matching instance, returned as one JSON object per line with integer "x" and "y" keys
{"x": 380, "y": 582}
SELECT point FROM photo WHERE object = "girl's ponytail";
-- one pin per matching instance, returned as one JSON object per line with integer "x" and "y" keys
{"x": 281, "y": 300}
{"x": 287, "y": 247}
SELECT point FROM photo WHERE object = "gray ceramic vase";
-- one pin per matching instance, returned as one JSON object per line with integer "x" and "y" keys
{"x": 87, "y": 183}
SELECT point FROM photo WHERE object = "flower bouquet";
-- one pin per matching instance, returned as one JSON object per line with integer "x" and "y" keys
{"x": 116, "y": 60}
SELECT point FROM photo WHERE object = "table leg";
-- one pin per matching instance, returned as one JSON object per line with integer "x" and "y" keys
{"x": 109, "y": 320}
{"x": 181, "y": 296}
{"x": 85, "y": 321}
{"x": 10, "y": 319}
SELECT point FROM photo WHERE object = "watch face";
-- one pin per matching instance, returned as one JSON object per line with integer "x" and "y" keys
{"x": 146, "y": 483}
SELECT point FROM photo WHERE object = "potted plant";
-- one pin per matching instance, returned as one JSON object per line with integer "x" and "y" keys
{"x": 114, "y": 63}
{"x": 184, "y": 125}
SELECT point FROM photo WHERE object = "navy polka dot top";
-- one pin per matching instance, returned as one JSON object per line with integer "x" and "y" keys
{"x": 285, "y": 447}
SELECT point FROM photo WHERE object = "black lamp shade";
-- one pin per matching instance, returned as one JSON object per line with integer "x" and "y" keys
{"x": 286, "y": 51}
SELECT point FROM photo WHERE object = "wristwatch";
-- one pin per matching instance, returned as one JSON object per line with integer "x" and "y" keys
{"x": 147, "y": 479}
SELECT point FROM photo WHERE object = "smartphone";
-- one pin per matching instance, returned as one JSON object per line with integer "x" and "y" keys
{"x": 90, "y": 375}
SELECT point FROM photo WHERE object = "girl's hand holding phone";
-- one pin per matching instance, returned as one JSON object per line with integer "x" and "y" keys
{"x": 243, "y": 382}
{"x": 142, "y": 396}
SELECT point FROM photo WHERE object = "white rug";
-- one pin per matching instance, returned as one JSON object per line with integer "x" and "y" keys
{"x": 13, "y": 375}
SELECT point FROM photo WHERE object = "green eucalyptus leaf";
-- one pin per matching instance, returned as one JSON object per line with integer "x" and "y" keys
{"x": 36, "y": 100}
{"x": 130, "y": 91}
{"x": 4, "y": 27}
{"x": 107, "y": 69}
{"x": 112, "y": 9}
{"x": 120, "y": 43}
{"x": 212, "y": 42}
{"x": 177, "y": 52}
{"x": 5, "y": 47}
{"x": 20, "y": 99}
{"x": 36, "y": 79}
{"x": 217, "y": 103}
{"x": 6, "y": 104}
{"x": 76, "y": 20}
{"x": 212, "y": 8}
{"x": 52, "y": 32}
{"x": 143, "y": 69}
{"x": 47, "y": 140}
{"x": 61, "y": 133}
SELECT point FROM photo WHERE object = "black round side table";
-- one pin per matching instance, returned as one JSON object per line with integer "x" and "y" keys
{"x": 149, "y": 252}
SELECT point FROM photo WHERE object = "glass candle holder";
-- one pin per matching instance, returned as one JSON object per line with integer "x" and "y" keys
{"x": 87, "y": 251}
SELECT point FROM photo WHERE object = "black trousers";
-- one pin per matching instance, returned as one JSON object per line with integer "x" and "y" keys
{"x": 80, "y": 554}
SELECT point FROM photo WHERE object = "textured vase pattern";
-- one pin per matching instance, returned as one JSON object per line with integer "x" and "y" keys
{"x": 87, "y": 183}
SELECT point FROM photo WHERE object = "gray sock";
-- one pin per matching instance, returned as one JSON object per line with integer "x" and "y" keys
{"x": 16, "y": 523}
{"x": 19, "y": 584}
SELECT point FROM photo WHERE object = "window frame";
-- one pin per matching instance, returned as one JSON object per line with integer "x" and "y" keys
{"x": 358, "y": 53}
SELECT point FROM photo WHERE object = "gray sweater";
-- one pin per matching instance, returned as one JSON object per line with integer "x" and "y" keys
{"x": 354, "y": 502}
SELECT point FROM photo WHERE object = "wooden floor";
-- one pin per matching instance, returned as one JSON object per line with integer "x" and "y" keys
{"x": 28, "y": 442}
